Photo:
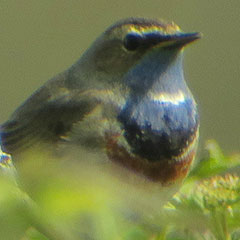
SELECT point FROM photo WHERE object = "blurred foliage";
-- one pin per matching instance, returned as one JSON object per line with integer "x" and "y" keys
{"x": 45, "y": 202}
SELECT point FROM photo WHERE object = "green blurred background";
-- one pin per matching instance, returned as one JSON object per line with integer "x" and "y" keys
{"x": 40, "y": 38}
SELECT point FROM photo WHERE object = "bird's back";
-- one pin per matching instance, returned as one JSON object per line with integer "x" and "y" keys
{"x": 45, "y": 117}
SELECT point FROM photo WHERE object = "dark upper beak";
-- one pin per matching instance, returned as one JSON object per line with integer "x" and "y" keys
{"x": 178, "y": 39}
{"x": 181, "y": 39}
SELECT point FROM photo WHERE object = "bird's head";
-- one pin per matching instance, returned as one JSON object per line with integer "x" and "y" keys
{"x": 125, "y": 43}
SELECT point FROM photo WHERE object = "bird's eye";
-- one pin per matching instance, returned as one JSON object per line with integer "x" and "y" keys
{"x": 132, "y": 41}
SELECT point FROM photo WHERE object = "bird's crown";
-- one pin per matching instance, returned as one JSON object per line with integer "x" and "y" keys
{"x": 142, "y": 25}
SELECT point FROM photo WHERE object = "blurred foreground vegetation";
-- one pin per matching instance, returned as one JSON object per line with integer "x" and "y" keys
{"x": 44, "y": 202}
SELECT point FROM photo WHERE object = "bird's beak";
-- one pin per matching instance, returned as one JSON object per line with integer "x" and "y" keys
{"x": 181, "y": 39}
{"x": 176, "y": 40}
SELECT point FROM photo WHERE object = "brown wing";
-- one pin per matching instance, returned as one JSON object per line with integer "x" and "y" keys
{"x": 43, "y": 118}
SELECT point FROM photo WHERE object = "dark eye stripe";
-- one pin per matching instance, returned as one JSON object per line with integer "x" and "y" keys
{"x": 132, "y": 41}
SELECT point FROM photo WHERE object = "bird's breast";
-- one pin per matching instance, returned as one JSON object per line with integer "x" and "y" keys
{"x": 159, "y": 136}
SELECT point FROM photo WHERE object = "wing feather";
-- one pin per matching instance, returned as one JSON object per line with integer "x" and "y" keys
{"x": 43, "y": 118}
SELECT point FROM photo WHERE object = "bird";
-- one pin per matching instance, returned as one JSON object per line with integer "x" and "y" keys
{"x": 126, "y": 98}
